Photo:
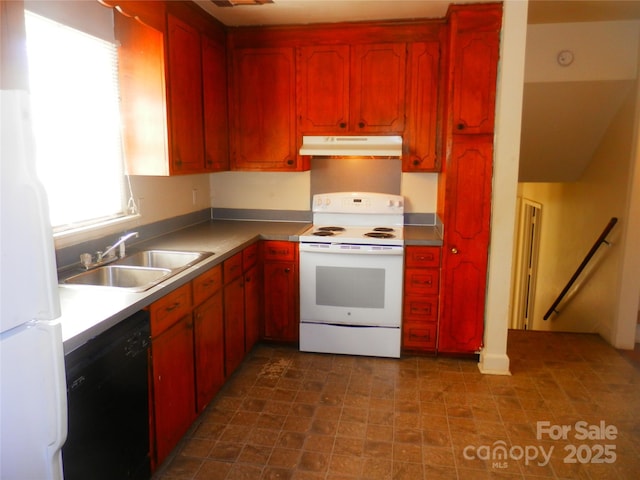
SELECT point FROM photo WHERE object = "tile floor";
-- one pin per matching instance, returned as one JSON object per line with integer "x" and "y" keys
{"x": 300, "y": 416}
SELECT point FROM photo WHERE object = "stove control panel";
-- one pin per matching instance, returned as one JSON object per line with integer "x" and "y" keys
{"x": 358, "y": 202}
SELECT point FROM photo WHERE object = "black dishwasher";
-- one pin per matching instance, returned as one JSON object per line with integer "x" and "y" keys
{"x": 108, "y": 399}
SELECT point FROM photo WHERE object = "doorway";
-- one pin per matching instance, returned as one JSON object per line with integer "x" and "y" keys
{"x": 528, "y": 246}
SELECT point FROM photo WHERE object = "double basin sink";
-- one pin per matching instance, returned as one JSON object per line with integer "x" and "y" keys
{"x": 139, "y": 271}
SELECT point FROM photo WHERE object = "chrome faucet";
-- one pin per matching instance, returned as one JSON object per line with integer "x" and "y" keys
{"x": 120, "y": 243}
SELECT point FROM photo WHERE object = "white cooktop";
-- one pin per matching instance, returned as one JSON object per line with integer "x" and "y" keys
{"x": 357, "y": 217}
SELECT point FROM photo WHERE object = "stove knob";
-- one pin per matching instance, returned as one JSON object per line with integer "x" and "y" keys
{"x": 327, "y": 201}
{"x": 400, "y": 203}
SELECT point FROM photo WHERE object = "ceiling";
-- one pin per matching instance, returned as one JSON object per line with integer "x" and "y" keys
{"x": 552, "y": 149}
{"x": 300, "y": 12}
{"x": 292, "y": 12}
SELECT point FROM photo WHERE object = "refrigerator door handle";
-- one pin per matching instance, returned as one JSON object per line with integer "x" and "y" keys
{"x": 59, "y": 392}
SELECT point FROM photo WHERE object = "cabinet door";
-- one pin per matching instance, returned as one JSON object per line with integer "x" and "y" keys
{"x": 173, "y": 386}
{"x": 421, "y": 132}
{"x": 185, "y": 97}
{"x": 143, "y": 100}
{"x": 208, "y": 334}
{"x": 233, "y": 325}
{"x": 378, "y": 88}
{"x": 280, "y": 301}
{"x": 252, "y": 289}
{"x": 475, "y": 66}
{"x": 466, "y": 242}
{"x": 214, "y": 100}
{"x": 323, "y": 88}
{"x": 262, "y": 93}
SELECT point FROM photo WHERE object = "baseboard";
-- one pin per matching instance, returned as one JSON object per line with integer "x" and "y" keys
{"x": 494, "y": 364}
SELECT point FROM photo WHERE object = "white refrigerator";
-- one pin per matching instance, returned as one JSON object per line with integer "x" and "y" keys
{"x": 33, "y": 402}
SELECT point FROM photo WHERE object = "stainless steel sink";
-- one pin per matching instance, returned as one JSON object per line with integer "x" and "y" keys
{"x": 121, "y": 276}
{"x": 171, "y": 259}
{"x": 139, "y": 271}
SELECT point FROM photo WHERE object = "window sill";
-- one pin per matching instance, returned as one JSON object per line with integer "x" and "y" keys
{"x": 94, "y": 231}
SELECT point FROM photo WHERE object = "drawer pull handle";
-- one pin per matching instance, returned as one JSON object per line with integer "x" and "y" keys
{"x": 424, "y": 310}
{"x": 171, "y": 308}
{"x": 421, "y": 337}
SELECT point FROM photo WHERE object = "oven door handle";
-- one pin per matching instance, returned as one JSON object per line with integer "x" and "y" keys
{"x": 349, "y": 249}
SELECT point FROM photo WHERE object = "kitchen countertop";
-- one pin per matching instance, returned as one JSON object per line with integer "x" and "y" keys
{"x": 88, "y": 311}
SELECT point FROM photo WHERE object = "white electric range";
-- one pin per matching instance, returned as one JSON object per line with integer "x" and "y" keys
{"x": 351, "y": 274}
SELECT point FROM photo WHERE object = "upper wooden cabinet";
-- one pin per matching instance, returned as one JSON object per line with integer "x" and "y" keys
{"x": 262, "y": 110}
{"x": 214, "y": 100}
{"x": 356, "y": 89}
{"x": 185, "y": 97}
{"x": 173, "y": 91}
{"x": 422, "y": 132}
{"x": 474, "y": 42}
{"x": 323, "y": 88}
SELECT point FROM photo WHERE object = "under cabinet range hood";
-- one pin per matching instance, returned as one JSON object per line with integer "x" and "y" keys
{"x": 350, "y": 146}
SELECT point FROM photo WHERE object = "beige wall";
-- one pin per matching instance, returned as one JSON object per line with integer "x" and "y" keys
{"x": 291, "y": 191}
{"x": 573, "y": 216}
{"x": 160, "y": 198}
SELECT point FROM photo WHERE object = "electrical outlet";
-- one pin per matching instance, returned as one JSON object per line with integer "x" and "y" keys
{"x": 194, "y": 196}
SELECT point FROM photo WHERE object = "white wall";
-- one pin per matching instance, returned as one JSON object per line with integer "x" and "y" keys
{"x": 573, "y": 216}
{"x": 493, "y": 358}
{"x": 291, "y": 191}
{"x": 602, "y": 51}
{"x": 260, "y": 190}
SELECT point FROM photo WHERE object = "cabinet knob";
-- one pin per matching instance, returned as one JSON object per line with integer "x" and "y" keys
{"x": 287, "y": 270}
{"x": 454, "y": 250}
{"x": 416, "y": 162}
{"x": 343, "y": 125}
{"x": 361, "y": 124}
{"x": 460, "y": 126}
{"x": 289, "y": 162}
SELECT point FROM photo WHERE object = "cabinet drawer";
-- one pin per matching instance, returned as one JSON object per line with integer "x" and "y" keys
{"x": 277, "y": 250}
{"x": 232, "y": 268}
{"x": 419, "y": 336}
{"x": 422, "y": 257}
{"x": 249, "y": 256}
{"x": 423, "y": 308}
{"x": 424, "y": 281}
{"x": 169, "y": 309}
{"x": 207, "y": 284}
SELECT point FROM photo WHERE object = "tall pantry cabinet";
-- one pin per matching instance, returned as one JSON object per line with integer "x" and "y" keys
{"x": 464, "y": 191}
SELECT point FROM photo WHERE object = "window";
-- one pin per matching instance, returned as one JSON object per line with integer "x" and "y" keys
{"x": 74, "y": 90}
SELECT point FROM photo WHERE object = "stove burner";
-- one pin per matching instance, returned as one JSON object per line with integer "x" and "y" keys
{"x": 323, "y": 233}
{"x": 383, "y": 229}
{"x": 379, "y": 235}
{"x": 331, "y": 229}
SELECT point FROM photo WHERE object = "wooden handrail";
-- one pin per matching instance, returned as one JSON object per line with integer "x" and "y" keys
{"x": 601, "y": 239}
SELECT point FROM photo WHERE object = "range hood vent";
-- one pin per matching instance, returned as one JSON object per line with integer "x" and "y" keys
{"x": 350, "y": 146}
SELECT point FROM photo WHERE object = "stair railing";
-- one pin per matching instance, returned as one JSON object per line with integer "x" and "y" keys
{"x": 601, "y": 239}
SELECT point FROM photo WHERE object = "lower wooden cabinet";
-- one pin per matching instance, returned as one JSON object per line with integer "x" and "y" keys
{"x": 208, "y": 336}
{"x": 420, "y": 305}
{"x": 280, "y": 270}
{"x": 233, "y": 324}
{"x": 172, "y": 371}
{"x": 252, "y": 306}
{"x": 201, "y": 332}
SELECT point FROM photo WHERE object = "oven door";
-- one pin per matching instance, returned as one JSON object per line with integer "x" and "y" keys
{"x": 356, "y": 285}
